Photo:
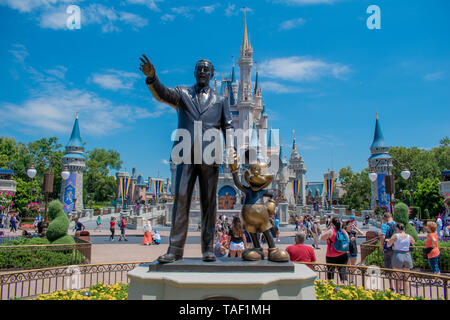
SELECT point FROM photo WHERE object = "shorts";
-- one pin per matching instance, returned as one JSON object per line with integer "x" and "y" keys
{"x": 237, "y": 246}
{"x": 401, "y": 260}
{"x": 350, "y": 255}
{"x": 387, "y": 258}
{"x": 122, "y": 231}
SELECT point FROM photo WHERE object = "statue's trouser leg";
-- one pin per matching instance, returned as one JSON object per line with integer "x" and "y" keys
{"x": 269, "y": 239}
{"x": 255, "y": 240}
{"x": 184, "y": 186}
{"x": 208, "y": 177}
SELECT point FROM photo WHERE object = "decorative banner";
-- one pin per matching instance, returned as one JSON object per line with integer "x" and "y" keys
{"x": 383, "y": 197}
{"x": 329, "y": 185}
{"x": 69, "y": 192}
{"x": 295, "y": 188}
{"x": 124, "y": 186}
{"x": 157, "y": 184}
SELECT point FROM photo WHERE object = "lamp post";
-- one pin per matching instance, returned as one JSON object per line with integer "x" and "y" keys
{"x": 389, "y": 182}
{"x": 31, "y": 172}
{"x": 47, "y": 186}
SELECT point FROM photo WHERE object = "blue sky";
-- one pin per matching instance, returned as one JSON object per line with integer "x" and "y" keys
{"x": 323, "y": 72}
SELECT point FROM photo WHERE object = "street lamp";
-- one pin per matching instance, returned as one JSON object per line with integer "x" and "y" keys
{"x": 48, "y": 184}
{"x": 389, "y": 181}
{"x": 31, "y": 172}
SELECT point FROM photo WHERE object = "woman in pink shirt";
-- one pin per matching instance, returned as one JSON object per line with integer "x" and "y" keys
{"x": 333, "y": 256}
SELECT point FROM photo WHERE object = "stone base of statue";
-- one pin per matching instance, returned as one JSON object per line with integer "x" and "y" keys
{"x": 226, "y": 278}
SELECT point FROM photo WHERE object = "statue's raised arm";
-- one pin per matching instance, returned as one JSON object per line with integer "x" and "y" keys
{"x": 160, "y": 92}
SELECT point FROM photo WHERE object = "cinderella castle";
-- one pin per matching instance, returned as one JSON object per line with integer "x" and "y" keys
{"x": 248, "y": 112}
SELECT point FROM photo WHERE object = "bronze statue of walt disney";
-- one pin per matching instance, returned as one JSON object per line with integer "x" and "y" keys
{"x": 255, "y": 214}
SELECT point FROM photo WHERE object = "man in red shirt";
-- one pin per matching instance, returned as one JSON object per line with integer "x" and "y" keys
{"x": 300, "y": 252}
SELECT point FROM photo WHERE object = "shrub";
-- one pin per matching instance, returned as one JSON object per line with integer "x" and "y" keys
{"x": 60, "y": 223}
{"x": 41, "y": 257}
{"x": 99, "y": 291}
{"x": 401, "y": 215}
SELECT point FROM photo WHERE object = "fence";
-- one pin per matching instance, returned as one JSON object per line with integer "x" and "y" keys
{"x": 372, "y": 254}
{"x": 19, "y": 257}
{"x": 30, "y": 283}
{"x": 409, "y": 283}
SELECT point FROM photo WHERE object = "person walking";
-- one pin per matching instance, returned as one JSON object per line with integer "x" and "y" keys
{"x": 401, "y": 258}
{"x": 78, "y": 227}
{"x": 297, "y": 223}
{"x": 316, "y": 231}
{"x": 236, "y": 239}
{"x": 99, "y": 223}
{"x": 13, "y": 223}
{"x": 432, "y": 247}
{"x": 337, "y": 247}
{"x": 123, "y": 226}
{"x": 148, "y": 239}
{"x": 112, "y": 228}
{"x": 353, "y": 232}
{"x": 439, "y": 226}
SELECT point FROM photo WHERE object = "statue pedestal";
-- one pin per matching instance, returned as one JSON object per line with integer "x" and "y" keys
{"x": 193, "y": 279}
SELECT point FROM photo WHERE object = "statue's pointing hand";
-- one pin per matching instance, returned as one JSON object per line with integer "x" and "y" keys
{"x": 147, "y": 67}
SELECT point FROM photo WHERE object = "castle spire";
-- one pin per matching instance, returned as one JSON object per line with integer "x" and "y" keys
{"x": 245, "y": 39}
{"x": 378, "y": 138}
{"x": 75, "y": 137}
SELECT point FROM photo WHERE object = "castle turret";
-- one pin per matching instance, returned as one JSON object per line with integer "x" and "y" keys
{"x": 74, "y": 160}
{"x": 380, "y": 162}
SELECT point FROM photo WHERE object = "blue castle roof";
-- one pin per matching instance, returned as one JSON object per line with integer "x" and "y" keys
{"x": 75, "y": 137}
{"x": 378, "y": 138}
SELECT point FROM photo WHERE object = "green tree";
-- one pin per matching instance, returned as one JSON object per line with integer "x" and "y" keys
{"x": 357, "y": 188}
{"x": 428, "y": 198}
{"x": 97, "y": 180}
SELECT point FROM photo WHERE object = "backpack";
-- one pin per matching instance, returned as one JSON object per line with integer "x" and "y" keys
{"x": 341, "y": 244}
{"x": 389, "y": 234}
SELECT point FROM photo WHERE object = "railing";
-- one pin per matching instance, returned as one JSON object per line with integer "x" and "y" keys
{"x": 408, "y": 283}
{"x": 419, "y": 258}
{"x": 19, "y": 257}
{"x": 30, "y": 283}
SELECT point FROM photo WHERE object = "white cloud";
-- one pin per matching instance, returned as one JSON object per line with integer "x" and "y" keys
{"x": 115, "y": 79}
{"x": 304, "y": 2}
{"x": 434, "y": 76}
{"x": 291, "y": 24}
{"x": 51, "y": 105}
{"x": 30, "y": 5}
{"x": 231, "y": 10}
{"x": 151, "y": 4}
{"x": 275, "y": 87}
{"x": 51, "y": 14}
{"x": 164, "y": 161}
{"x": 167, "y": 17}
{"x": 301, "y": 69}
{"x": 58, "y": 72}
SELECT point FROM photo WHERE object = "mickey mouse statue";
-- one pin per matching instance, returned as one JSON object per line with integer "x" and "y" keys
{"x": 255, "y": 214}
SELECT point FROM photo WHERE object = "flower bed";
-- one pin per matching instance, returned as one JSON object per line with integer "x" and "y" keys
{"x": 325, "y": 290}
{"x": 99, "y": 291}
{"x": 328, "y": 290}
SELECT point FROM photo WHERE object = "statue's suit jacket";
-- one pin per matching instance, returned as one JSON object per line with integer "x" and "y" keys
{"x": 214, "y": 113}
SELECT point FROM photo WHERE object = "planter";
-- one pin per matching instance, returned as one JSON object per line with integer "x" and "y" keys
{"x": 84, "y": 235}
{"x": 97, "y": 212}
